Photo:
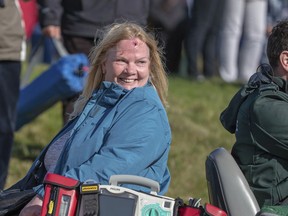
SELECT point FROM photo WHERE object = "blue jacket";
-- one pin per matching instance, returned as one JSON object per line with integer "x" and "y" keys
{"x": 118, "y": 132}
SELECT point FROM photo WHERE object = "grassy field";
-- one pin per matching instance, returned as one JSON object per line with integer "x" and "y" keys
{"x": 194, "y": 117}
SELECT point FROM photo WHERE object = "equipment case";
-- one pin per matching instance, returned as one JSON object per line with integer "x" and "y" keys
{"x": 103, "y": 200}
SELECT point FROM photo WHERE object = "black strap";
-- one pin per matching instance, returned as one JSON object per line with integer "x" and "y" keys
{"x": 34, "y": 59}
{"x": 269, "y": 143}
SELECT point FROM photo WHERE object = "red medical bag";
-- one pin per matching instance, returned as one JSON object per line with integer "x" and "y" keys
{"x": 61, "y": 195}
{"x": 195, "y": 209}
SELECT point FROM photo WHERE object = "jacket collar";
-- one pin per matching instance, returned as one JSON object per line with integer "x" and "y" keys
{"x": 108, "y": 94}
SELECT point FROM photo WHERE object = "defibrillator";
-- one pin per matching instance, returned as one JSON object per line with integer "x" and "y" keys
{"x": 90, "y": 198}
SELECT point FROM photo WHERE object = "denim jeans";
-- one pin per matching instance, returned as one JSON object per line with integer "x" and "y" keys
{"x": 9, "y": 93}
{"x": 202, "y": 37}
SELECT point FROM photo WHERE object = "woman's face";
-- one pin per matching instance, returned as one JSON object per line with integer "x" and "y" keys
{"x": 128, "y": 64}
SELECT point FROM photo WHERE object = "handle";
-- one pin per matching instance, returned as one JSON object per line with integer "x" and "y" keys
{"x": 33, "y": 60}
{"x": 34, "y": 57}
{"x": 60, "y": 47}
{"x": 138, "y": 180}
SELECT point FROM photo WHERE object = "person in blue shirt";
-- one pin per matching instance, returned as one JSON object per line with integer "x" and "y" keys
{"x": 119, "y": 124}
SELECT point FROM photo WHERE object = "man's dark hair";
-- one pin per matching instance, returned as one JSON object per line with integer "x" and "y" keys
{"x": 277, "y": 42}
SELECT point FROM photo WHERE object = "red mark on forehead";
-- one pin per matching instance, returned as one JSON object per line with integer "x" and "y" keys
{"x": 135, "y": 42}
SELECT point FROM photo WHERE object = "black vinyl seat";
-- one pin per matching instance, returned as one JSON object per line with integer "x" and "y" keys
{"x": 227, "y": 186}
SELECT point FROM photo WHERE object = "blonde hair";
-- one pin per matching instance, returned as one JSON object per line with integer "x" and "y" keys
{"x": 111, "y": 36}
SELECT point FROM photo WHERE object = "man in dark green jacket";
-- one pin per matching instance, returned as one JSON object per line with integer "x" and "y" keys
{"x": 258, "y": 115}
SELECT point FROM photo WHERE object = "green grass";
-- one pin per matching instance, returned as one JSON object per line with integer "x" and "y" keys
{"x": 196, "y": 131}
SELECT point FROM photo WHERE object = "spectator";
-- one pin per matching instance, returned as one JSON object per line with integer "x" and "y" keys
{"x": 241, "y": 38}
{"x": 257, "y": 116}
{"x": 29, "y": 15}
{"x": 170, "y": 18}
{"x": 78, "y": 22}
{"x": 202, "y": 36}
{"x": 119, "y": 122}
{"x": 12, "y": 52}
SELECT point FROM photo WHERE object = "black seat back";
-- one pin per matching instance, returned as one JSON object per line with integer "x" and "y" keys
{"x": 227, "y": 186}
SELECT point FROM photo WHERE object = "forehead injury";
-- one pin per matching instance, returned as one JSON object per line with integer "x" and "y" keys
{"x": 134, "y": 42}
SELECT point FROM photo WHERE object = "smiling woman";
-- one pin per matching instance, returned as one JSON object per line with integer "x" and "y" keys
{"x": 119, "y": 123}
{"x": 128, "y": 64}
{"x": 113, "y": 39}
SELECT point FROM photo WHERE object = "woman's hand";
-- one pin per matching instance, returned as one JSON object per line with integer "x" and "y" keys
{"x": 33, "y": 208}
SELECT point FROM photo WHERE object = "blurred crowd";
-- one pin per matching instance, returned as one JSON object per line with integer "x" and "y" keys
{"x": 216, "y": 38}
{"x": 224, "y": 38}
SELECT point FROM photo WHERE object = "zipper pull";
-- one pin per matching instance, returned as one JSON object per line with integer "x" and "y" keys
{"x": 53, "y": 199}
